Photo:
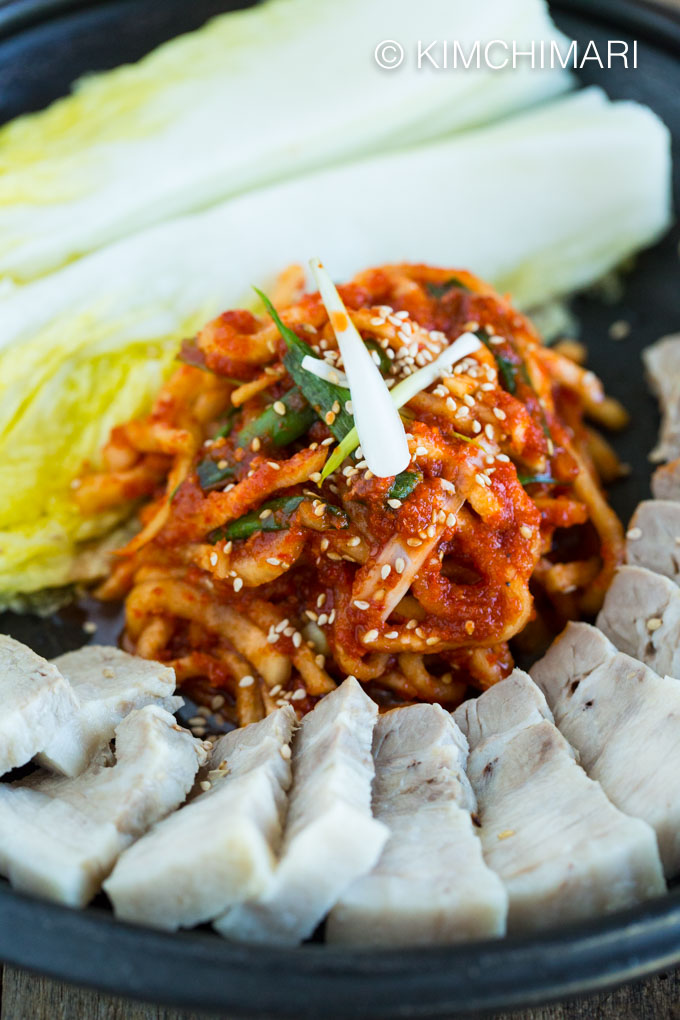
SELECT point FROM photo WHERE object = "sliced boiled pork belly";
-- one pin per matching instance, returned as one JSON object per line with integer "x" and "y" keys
{"x": 109, "y": 684}
{"x": 59, "y": 837}
{"x": 39, "y": 713}
{"x": 562, "y": 849}
{"x": 331, "y": 838}
{"x": 653, "y": 537}
{"x": 624, "y": 721}
{"x": 219, "y": 849}
{"x": 662, "y": 362}
{"x": 666, "y": 481}
{"x": 431, "y": 884}
{"x": 641, "y": 616}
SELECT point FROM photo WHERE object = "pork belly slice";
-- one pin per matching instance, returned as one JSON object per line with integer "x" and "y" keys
{"x": 562, "y": 849}
{"x": 59, "y": 837}
{"x": 39, "y": 711}
{"x": 653, "y": 538}
{"x": 641, "y": 616}
{"x": 662, "y": 363}
{"x": 666, "y": 481}
{"x": 109, "y": 684}
{"x": 331, "y": 838}
{"x": 517, "y": 701}
{"x": 624, "y": 721}
{"x": 221, "y": 847}
{"x": 431, "y": 884}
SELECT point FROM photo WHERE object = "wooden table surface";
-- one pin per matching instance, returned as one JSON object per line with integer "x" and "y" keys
{"x": 26, "y": 997}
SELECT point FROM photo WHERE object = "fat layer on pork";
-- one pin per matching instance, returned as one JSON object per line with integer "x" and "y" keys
{"x": 221, "y": 848}
{"x": 431, "y": 884}
{"x": 624, "y": 720}
{"x": 331, "y": 837}
{"x": 60, "y": 837}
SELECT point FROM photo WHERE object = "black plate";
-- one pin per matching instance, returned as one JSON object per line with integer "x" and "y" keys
{"x": 42, "y": 49}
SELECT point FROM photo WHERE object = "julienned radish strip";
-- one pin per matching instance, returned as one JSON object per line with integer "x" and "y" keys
{"x": 378, "y": 425}
{"x": 404, "y": 391}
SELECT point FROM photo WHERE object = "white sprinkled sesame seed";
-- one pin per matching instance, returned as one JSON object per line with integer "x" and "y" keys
{"x": 297, "y": 639}
{"x": 369, "y": 636}
{"x": 286, "y": 752}
{"x": 323, "y": 618}
{"x": 246, "y": 681}
{"x": 654, "y": 623}
{"x": 394, "y": 503}
{"x": 634, "y": 533}
{"x": 238, "y": 583}
{"x": 488, "y": 431}
{"x": 499, "y": 413}
{"x": 525, "y": 531}
{"x": 360, "y": 604}
{"x": 476, "y": 427}
{"x": 399, "y": 565}
{"x": 265, "y": 514}
{"x": 392, "y": 635}
{"x": 274, "y": 561}
{"x": 298, "y": 695}
{"x": 206, "y": 785}
{"x": 450, "y": 520}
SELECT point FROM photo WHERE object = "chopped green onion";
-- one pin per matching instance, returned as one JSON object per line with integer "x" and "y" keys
{"x": 323, "y": 396}
{"x": 438, "y": 290}
{"x": 278, "y": 519}
{"x": 544, "y": 479}
{"x": 404, "y": 484}
{"x": 211, "y": 475}
{"x": 385, "y": 363}
{"x": 280, "y": 429}
{"x": 275, "y": 515}
{"x": 229, "y": 423}
{"x": 507, "y": 368}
